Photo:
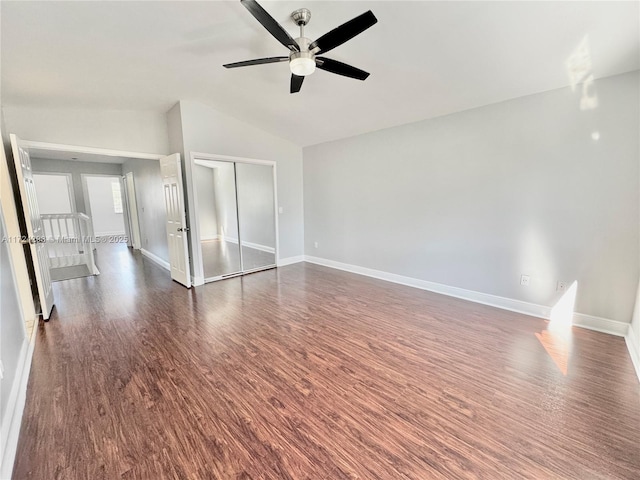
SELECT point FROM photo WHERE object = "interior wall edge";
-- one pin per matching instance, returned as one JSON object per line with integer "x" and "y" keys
{"x": 599, "y": 324}
{"x": 283, "y": 262}
{"x": 634, "y": 352}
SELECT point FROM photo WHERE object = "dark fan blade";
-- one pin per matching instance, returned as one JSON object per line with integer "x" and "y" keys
{"x": 296, "y": 83}
{"x": 340, "y": 68}
{"x": 271, "y": 25}
{"x": 257, "y": 61}
{"x": 344, "y": 32}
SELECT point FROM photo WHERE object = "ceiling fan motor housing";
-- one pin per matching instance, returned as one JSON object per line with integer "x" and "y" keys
{"x": 301, "y": 16}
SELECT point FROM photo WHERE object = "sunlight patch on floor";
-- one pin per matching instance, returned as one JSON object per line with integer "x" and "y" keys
{"x": 556, "y": 339}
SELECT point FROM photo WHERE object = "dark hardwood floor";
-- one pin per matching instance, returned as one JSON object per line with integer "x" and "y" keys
{"x": 309, "y": 373}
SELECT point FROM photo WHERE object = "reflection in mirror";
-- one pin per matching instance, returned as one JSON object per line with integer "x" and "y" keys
{"x": 257, "y": 215}
{"x": 217, "y": 217}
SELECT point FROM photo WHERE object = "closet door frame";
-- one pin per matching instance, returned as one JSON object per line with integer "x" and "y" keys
{"x": 195, "y": 226}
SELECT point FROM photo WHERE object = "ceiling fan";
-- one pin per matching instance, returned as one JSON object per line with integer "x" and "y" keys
{"x": 302, "y": 59}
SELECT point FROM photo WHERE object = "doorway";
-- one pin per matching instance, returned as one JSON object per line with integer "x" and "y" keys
{"x": 236, "y": 213}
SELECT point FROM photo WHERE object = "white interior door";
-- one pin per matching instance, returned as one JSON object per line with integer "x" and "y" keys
{"x": 171, "y": 171}
{"x": 35, "y": 230}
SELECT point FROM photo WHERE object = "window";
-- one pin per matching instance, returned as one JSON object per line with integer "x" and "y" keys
{"x": 117, "y": 196}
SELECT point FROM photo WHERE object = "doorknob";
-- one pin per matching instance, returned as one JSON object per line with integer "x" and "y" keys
{"x": 185, "y": 229}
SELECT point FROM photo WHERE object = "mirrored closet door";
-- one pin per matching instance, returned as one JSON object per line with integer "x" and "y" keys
{"x": 236, "y": 217}
{"x": 256, "y": 215}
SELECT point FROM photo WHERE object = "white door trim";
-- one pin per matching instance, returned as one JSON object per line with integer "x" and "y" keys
{"x": 19, "y": 262}
{"x": 97, "y": 151}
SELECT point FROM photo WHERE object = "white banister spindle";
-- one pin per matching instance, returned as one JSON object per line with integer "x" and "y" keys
{"x": 70, "y": 240}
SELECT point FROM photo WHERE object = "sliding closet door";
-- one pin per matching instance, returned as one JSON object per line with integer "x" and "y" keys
{"x": 256, "y": 214}
{"x": 218, "y": 219}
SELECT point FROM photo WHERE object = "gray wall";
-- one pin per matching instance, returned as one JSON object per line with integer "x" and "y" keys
{"x": 152, "y": 214}
{"x": 477, "y": 198}
{"x": 203, "y": 178}
{"x": 12, "y": 333}
{"x": 76, "y": 169}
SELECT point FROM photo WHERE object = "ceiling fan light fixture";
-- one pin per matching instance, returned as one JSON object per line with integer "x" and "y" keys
{"x": 302, "y": 63}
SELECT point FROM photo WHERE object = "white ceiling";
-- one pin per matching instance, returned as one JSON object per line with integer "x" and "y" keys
{"x": 426, "y": 58}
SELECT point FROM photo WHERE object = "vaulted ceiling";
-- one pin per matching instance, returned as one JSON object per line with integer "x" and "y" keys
{"x": 426, "y": 58}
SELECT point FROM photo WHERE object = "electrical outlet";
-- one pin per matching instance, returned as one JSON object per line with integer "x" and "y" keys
{"x": 315, "y": 244}
{"x": 524, "y": 280}
{"x": 280, "y": 210}
{"x": 561, "y": 286}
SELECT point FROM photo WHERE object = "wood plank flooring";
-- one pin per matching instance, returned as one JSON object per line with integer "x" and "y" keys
{"x": 309, "y": 373}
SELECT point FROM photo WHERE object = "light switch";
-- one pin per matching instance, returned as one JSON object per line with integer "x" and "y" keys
{"x": 280, "y": 210}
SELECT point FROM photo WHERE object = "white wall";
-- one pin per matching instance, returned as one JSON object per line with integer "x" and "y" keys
{"x": 475, "y": 199}
{"x": 135, "y": 131}
{"x": 152, "y": 214}
{"x": 204, "y": 188}
{"x": 194, "y": 127}
{"x": 13, "y": 342}
{"x": 76, "y": 169}
{"x": 106, "y": 221}
{"x": 53, "y": 193}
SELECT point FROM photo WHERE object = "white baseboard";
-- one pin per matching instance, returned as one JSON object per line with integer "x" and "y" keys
{"x": 257, "y": 246}
{"x": 283, "y": 262}
{"x": 634, "y": 352}
{"x": 156, "y": 259}
{"x": 599, "y": 324}
{"x": 210, "y": 239}
{"x": 12, "y": 420}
